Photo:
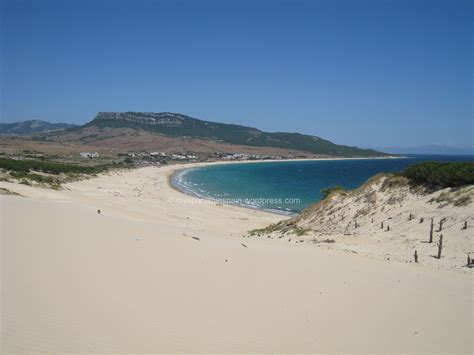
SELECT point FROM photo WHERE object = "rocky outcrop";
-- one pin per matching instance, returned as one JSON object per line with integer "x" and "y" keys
{"x": 149, "y": 118}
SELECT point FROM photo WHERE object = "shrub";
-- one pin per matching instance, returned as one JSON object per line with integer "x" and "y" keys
{"x": 458, "y": 198}
{"x": 329, "y": 190}
{"x": 18, "y": 174}
{"x": 25, "y": 182}
{"x": 438, "y": 174}
{"x": 42, "y": 179}
{"x": 393, "y": 182}
{"x": 55, "y": 168}
{"x": 301, "y": 231}
{"x": 55, "y": 186}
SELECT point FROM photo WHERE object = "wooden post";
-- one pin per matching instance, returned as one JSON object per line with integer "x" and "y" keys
{"x": 441, "y": 221}
{"x": 440, "y": 246}
{"x": 388, "y": 228}
{"x": 416, "y": 256}
{"x": 421, "y": 220}
{"x": 410, "y": 217}
{"x": 470, "y": 260}
{"x": 355, "y": 223}
{"x": 431, "y": 230}
{"x": 381, "y": 225}
{"x": 465, "y": 225}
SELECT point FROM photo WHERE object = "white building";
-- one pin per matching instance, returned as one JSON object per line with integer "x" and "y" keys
{"x": 89, "y": 155}
{"x": 178, "y": 157}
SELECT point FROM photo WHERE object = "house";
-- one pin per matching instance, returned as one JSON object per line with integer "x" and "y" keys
{"x": 89, "y": 155}
{"x": 178, "y": 157}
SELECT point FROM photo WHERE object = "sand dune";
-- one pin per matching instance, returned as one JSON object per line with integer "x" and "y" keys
{"x": 390, "y": 223}
{"x": 133, "y": 279}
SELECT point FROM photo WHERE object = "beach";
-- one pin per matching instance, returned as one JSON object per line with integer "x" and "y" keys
{"x": 159, "y": 271}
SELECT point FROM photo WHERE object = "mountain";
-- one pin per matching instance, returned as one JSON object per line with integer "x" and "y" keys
{"x": 33, "y": 126}
{"x": 181, "y": 126}
{"x": 428, "y": 149}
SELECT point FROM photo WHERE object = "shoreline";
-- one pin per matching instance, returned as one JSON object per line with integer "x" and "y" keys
{"x": 195, "y": 195}
{"x": 288, "y": 214}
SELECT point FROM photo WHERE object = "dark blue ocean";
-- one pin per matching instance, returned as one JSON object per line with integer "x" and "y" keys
{"x": 288, "y": 187}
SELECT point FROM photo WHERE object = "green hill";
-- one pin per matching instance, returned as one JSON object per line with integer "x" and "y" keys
{"x": 177, "y": 125}
{"x": 31, "y": 127}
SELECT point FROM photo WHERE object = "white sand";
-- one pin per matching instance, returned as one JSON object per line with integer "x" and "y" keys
{"x": 133, "y": 280}
{"x": 406, "y": 212}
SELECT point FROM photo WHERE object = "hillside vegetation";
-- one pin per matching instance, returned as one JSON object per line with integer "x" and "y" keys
{"x": 48, "y": 173}
{"x": 177, "y": 125}
{"x": 32, "y": 126}
{"x": 440, "y": 175}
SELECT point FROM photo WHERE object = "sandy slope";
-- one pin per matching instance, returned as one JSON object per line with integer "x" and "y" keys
{"x": 133, "y": 280}
{"x": 391, "y": 223}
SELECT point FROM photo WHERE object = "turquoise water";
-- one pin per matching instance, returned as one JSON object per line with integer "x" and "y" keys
{"x": 287, "y": 187}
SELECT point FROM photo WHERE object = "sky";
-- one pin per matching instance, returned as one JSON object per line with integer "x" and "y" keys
{"x": 358, "y": 72}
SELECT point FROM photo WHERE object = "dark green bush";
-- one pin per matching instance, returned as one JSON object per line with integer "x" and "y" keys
{"x": 18, "y": 174}
{"x": 439, "y": 174}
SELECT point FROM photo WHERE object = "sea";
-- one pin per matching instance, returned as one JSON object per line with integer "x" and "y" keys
{"x": 287, "y": 187}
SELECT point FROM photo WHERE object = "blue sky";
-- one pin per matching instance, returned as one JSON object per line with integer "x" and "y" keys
{"x": 367, "y": 73}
